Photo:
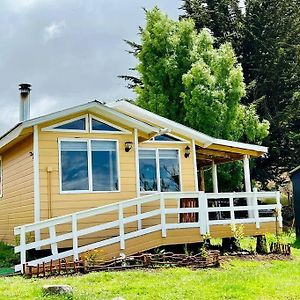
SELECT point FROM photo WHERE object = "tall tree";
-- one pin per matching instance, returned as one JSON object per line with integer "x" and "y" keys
{"x": 189, "y": 80}
{"x": 272, "y": 70}
{"x": 223, "y": 17}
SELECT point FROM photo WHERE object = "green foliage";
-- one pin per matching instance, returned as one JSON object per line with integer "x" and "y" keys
{"x": 267, "y": 41}
{"x": 272, "y": 71}
{"x": 8, "y": 258}
{"x": 164, "y": 57}
{"x": 223, "y": 17}
{"x": 187, "y": 79}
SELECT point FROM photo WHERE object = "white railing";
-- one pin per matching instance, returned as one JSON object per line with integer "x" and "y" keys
{"x": 155, "y": 212}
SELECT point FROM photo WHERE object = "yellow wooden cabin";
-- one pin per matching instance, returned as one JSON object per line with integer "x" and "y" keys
{"x": 120, "y": 178}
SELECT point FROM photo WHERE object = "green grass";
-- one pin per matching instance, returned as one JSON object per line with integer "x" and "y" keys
{"x": 236, "y": 279}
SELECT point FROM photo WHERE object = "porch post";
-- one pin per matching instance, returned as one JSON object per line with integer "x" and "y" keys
{"x": 215, "y": 177}
{"x": 202, "y": 178}
{"x": 247, "y": 174}
{"x": 248, "y": 184}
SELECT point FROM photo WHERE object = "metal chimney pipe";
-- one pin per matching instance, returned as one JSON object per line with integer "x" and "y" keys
{"x": 25, "y": 89}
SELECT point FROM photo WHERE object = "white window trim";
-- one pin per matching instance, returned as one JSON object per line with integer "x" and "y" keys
{"x": 181, "y": 140}
{"x": 89, "y": 153}
{"x": 157, "y": 168}
{"x": 52, "y": 127}
{"x": 122, "y": 130}
{"x": 1, "y": 176}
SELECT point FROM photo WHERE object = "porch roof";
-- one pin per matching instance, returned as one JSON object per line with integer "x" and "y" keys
{"x": 207, "y": 146}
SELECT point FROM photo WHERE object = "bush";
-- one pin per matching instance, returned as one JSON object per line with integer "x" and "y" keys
{"x": 7, "y": 256}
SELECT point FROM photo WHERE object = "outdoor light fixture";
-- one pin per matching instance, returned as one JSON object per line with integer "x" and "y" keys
{"x": 128, "y": 146}
{"x": 187, "y": 151}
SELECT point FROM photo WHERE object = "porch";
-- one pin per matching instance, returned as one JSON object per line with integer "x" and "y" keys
{"x": 150, "y": 221}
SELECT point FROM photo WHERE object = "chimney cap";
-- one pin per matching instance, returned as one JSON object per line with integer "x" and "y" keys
{"x": 25, "y": 87}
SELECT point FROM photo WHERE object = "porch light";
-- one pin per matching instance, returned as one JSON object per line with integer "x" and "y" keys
{"x": 128, "y": 146}
{"x": 187, "y": 151}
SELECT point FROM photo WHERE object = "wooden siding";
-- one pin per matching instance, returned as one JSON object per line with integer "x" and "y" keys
{"x": 179, "y": 236}
{"x": 16, "y": 205}
{"x": 54, "y": 203}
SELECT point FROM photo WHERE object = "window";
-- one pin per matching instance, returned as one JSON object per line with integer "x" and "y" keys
{"x": 89, "y": 166}
{"x": 101, "y": 126}
{"x": 74, "y": 125}
{"x": 1, "y": 177}
{"x": 159, "y": 170}
{"x": 79, "y": 124}
{"x": 104, "y": 166}
{"x": 166, "y": 138}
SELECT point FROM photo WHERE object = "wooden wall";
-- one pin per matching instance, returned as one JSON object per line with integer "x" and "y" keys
{"x": 16, "y": 205}
{"x": 54, "y": 203}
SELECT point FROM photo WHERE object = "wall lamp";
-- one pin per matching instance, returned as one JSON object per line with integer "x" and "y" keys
{"x": 128, "y": 146}
{"x": 187, "y": 151}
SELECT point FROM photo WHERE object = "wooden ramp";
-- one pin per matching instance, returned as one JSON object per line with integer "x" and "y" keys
{"x": 147, "y": 222}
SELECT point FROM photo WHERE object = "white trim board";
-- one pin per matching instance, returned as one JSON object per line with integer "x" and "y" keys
{"x": 94, "y": 106}
{"x": 147, "y": 116}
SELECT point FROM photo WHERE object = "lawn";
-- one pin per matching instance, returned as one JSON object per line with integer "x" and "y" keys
{"x": 236, "y": 279}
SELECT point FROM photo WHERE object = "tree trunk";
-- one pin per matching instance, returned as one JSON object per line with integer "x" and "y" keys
{"x": 261, "y": 244}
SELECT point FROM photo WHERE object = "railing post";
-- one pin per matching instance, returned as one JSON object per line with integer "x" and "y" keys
{"x": 22, "y": 248}
{"x": 279, "y": 206}
{"x": 203, "y": 213}
{"x": 256, "y": 211}
{"x": 163, "y": 215}
{"x": 75, "y": 237}
{"x": 231, "y": 205}
{"x": 139, "y": 211}
{"x": 52, "y": 234}
{"x": 121, "y": 227}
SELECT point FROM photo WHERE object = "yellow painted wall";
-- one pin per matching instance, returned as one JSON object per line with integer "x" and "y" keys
{"x": 16, "y": 205}
{"x": 54, "y": 203}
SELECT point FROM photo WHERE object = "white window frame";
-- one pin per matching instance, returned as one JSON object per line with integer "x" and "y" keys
{"x": 1, "y": 177}
{"x": 52, "y": 127}
{"x": 122, "y": 130}
{"x": 181, "y": 140}
{"x": 89, "y": 157}
{"x": 158, "y": 167}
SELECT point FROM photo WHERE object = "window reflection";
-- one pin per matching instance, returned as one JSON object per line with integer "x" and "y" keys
{"x": 74, "y": 162}
{"x": 168, "y": 166}
{"x": 104, "y": 166}
{"x": 169, "y": 170}
{"x": 75, "y": 166}
{"x": 148, "y": 180}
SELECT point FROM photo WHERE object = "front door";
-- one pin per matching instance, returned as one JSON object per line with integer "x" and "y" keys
{"x": 188, "y": 217}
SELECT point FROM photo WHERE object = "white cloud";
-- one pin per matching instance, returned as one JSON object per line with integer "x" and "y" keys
{"x": 54, "y": 31}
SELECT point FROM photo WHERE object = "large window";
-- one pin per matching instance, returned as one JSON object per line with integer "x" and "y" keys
{"x": 159, "y": 170}
{"x": 89, "y": 166}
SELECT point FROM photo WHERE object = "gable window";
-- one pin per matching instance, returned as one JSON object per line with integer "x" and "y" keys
{"x": 1, "y": 177}
{"x": 79, "y": 124}
{"x": 89, "y": 166}
{"x": 166, "y": 138}
{"x": 101, "y": 126}
{"x": 159, "y": 170}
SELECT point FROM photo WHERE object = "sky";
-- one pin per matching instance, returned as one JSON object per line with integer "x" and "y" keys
{"x": 70, "y": 51}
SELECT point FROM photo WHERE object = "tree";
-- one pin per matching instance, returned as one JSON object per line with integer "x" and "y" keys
{"x": 186, "y": 79}
{"x": 271, "y": 62}
{"x": 223, "y": 17}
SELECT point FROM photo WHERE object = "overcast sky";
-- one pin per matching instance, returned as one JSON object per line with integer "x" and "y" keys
{"x": 70, "y": 51}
